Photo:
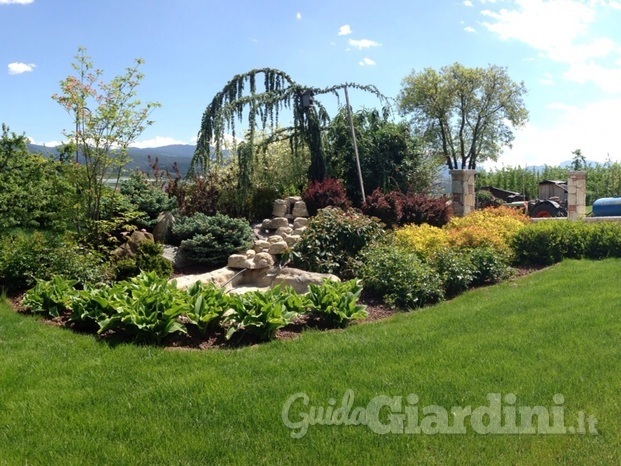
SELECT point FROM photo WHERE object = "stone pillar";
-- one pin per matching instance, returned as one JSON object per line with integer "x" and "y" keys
{"x": 576, "y": 194}
{"x": 463, "y": 192}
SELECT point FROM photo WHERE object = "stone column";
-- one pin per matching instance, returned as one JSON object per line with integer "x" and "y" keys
{"x": 576, "y": 194}
{"x": 463, "y": 191}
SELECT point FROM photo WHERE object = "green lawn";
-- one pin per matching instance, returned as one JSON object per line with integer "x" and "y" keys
{"x": 68, "y": 399}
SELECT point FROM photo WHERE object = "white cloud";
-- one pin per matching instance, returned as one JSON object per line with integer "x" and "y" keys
{"x": 363, "y": 43}
{"x": 593, "y": 128}
{"x": 298, "y": 15}
{"x": 20, "y": 2}
{"x": 19, "y": 68}
{"x": 470, "y": 29}
{"x": 609, "y": 80}
{"x": 366, "y": 62}
{"x": 563, "y": 31}
{"x": 467, "y": 3}
{"x": 157, "y": 141}
{"x": 344, "y": 30}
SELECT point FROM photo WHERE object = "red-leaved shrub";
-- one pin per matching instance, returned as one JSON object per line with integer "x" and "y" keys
{"x": 395, "y": 208}
{"x": 420, "y": 208}
{"x": 329, "y": 192}
{"x": 387, "y": 207}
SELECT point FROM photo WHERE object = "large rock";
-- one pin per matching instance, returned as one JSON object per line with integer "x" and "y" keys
{"x": 283, "y": 231}
{"x": 130, "y": 247}
{"x": 218, "y": 277}
{"x": 239, "y": 261}
{"x": 281, "y": 208}
{"x": 261, "y": 245}
{"x": 165, "y": 222}
{"x": 177, "y": 256}
{"x": 278, "y": 248}
{"x": 258, "y": 278}
{"x": 300, "y": 279}
{"x": 299, "y": 209}
{"x": 300, "y": 222}
{"x": 275, "y": 223}
{"x": 262, "y": 260}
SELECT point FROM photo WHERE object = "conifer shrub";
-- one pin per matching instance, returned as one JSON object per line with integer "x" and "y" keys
{"x": 210, "y": 240}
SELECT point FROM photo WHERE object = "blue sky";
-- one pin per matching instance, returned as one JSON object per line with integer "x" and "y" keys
{"x": 568, "y": 53}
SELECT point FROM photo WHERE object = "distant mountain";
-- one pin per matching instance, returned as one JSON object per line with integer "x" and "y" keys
{"x": 166, "y": 155}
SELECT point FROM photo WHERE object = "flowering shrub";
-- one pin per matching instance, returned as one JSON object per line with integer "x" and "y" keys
{"x": 329, "y": 192}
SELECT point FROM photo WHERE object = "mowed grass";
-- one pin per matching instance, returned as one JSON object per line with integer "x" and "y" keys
{"x": 68, "y": 399}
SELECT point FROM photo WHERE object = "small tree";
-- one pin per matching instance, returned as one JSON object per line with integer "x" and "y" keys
{"x": 578, "y": 162}
{"x": 391, "y": 158}
{"x": 107, "y": 119}
{"x": 467, "y": 114}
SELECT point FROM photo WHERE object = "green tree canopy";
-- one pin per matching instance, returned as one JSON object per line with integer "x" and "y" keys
{"x": 391, "y": 157}
{"x": 35, "y": 191}
{"x": 466, "y": 114}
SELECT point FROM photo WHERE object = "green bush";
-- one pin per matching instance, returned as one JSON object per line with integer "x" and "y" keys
{"x": 489, "y": 266}
{"x": 211, "y": 240}
{"x": 548, "y": 242}
{"x": 52, "y": 297}
{"x": 455, "y": 268}
{"x": 603, "y": 240}
{"x": 148, "y": 258}
{"x": 26, "y": 256}
{"x": 207, "y": 304}
{"x": 147, "y": 307}
{"x": 400, "y": 277}
{"x": 333, "y": 239}
{"x": 263, "y": 313}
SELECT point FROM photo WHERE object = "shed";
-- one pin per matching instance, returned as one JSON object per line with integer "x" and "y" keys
{"x": 553, "y": 188}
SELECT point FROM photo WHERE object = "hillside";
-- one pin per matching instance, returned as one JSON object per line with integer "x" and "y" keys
{"x": 166, "y": 155}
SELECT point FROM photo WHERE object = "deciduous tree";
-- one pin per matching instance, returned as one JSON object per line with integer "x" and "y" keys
{"x": 107, "y": 118}
{"x": 467, "y": 114}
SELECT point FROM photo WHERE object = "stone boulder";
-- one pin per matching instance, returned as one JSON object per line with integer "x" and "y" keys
{"x": 257, "y": 278}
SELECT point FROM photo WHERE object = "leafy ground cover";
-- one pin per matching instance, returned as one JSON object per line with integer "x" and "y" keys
{"x": 67, "y": 398}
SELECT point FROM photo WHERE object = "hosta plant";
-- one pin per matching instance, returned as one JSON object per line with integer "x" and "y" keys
{"x": 149, "y": 308}
{"x": 337, "y": 301}
{"x": 263, "y": 313}
{"x": 51, "y": 297}
{"x": 206, "y": 305}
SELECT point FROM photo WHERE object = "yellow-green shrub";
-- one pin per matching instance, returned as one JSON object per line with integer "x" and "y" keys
{"x": 493, "y": 227}
{"x": 423, "y": 239}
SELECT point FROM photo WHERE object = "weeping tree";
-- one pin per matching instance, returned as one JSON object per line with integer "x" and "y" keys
{"x": 261, "y": 95}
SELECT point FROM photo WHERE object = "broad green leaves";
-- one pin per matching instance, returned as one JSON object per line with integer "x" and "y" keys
{"x": 150, "y": 308}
